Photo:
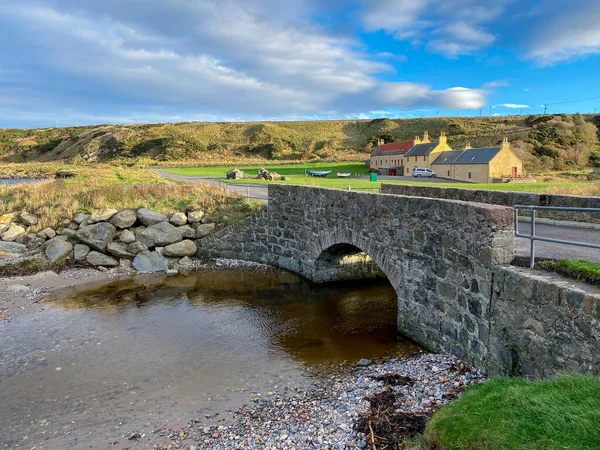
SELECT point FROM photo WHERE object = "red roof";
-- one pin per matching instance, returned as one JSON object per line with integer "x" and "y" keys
{"x": 394, "y": 148}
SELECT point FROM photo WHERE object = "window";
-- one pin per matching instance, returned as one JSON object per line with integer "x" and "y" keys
{"x": 401, "y": 162}
{"x": 469, "y": 174}
{"x": 448, "y": 173}
{"x": 424, "y": 158}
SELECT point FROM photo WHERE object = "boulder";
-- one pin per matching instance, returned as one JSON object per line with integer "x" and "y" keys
{"x": 195, "y": 216}
{"x": 80, "y": 218}
{"x": 119, "y": 250}
{"x": 47, "y": 233}
{"x": 124, "y": 219}
{"x": 125, "y": 263}
{"x": 28, "y": 219}
{"x": 13, "y": 232}
{"x": 68, "y": 233}
{"x": 205, "y": 230}
{"x": 100, "y": 259}
{"x": 178, "y": 219}
{"x": 64, "y": 223}
{"x": 149, "y": 218}
{"x": 150, "y": 262}
{"x": 57, "y": 249}
{"x": 5, "y": 219}
{"x": 136, "y": 247}
{"x": 185, "y": 261}
{"x": 188, "y": 232}
{"x": 161, "y": 234}
{"x": 3, "y": 228}
{"x": 11, "y": 248}
{"x": 80, "y": 251}
{"x": 73, "y": 226}
{"x": 180, "y": 249}
{"x": 97, "y": 236}
{"x": 101, "y": 215}
{"x": 34, "y": 241}
{"x": 138, "y": 230}
{"x": 127, "y": 237}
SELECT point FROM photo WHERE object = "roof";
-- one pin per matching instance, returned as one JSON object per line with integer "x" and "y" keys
{"x": 393, "y": 148}
{"x": 448, "y": 157}
{"x": 478, "y": 155}
{"x": 422, "y": 149}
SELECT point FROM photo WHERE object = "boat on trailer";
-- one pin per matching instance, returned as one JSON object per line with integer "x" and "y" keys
{"x": 343, "y": 174}
{"x": 316, "y": 173}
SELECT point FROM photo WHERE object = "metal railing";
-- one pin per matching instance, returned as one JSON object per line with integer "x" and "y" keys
{"x": 534, "y": 237}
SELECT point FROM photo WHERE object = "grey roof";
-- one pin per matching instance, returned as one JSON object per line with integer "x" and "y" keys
{"x": 422, "y": 149}
{"x": 448, "y": 157}
{"x": 477, "y": 155}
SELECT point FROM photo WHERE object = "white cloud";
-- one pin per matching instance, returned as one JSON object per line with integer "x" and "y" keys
{"x": 513, "y": 105}
{"x": 413, "y": 95}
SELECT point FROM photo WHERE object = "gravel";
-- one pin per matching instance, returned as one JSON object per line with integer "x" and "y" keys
{"x": 325, "y": 415}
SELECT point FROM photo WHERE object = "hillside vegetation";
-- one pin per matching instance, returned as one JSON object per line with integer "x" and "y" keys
{"x": 550, "y": 142}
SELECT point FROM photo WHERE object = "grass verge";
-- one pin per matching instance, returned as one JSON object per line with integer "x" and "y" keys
{"x": 516, "y": 414}
{"x": 586, "y": 271}
{"x": 36, "y": 265}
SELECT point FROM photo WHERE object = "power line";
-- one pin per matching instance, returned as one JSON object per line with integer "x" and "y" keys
{"x": 572, "y": 101}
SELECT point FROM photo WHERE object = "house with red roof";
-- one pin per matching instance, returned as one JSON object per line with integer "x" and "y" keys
{"x": 390, "y": 156}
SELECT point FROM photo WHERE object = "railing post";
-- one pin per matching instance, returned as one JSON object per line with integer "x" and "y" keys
{"x": 532, "y": 240}
{"x": 247, "y": 191}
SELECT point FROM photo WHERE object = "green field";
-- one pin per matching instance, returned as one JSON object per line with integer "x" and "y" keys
{"x": 516, "y": 414}
{"x": 295, "y": 174}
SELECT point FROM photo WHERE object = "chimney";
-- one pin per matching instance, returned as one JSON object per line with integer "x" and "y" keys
{"x": 505, "y": 144}
{"x": 468, "y": 145}
{"x": 426, "y": 138}
{"x": 417, "y": 140}
{"x": 442, "y": 139}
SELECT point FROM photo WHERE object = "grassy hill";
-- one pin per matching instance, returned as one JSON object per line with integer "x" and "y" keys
{"x": 544, "y": 142}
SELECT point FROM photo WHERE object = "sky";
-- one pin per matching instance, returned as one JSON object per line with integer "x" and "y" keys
{"x": 77, "y": 62}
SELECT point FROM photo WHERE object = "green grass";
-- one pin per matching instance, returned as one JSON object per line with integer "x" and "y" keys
{"x": 295, "y": 174}
{"x": 515, "y": 414}
{"x": 586, "y": 271}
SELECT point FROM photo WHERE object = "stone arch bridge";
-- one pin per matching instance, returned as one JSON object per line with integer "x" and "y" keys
{"x": 441, "y": 256}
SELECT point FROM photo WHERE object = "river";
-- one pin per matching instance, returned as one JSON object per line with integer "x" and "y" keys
{"x": 90, "y": 366}
{"x": 12, "y": 182}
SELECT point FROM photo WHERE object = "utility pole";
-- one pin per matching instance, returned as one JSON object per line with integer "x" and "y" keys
{"x": 480, "y": 109}
{"x": 456, "y": 112}
{"x": 545, "y": 108}
{"x": 490, "y": 110}
{"x": 437, "y": 114}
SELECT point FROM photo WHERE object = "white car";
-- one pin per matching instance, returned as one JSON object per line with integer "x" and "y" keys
{"x": 423, "y": 172}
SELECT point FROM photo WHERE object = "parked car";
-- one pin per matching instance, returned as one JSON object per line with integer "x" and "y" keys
{"x": 423, "y": 172}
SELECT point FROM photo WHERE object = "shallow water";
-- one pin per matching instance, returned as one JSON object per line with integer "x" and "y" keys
{"x": 150, "y": 351}
{"x": 11, "y": 182}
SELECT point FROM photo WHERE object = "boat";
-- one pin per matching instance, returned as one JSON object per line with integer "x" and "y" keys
{"x": 343, "y": 174}
{"x": 316, "y": 173}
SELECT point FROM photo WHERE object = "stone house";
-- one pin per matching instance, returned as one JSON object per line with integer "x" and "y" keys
{"x": 424, "y": 153}
{"x": 391, "y": 155}
{"x": 478, "y": 165}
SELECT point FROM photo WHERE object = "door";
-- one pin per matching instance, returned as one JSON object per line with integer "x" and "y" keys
{"x": 514, "y": 173}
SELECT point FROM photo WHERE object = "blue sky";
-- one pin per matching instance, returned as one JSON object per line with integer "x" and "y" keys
{"x": 74, "y": 62}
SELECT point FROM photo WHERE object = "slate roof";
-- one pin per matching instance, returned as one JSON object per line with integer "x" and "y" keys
{"x": 477, "y": 155}
{"x": 393, "y": 148}
{"x": 422, "y": 149}
{"x": 448, "y": 157}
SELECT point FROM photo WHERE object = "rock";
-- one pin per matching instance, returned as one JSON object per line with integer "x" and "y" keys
{"x": 235, "y": 174}
{"x": 5, "y": 219}
{"x": 47, "y": 233}
{"x": 178, "y": 219}
{"x": 127, "y": 237}
{"x": 73, "y": 226}
{"x": 172, "y": 271}
{"x": 124, "y": 219}
{"x": 138, "y": 230}
{"x": 205, "y": 230}
{"x": 34, "y": 241}
{"x": 57, "y": 249}
{"x": 135, "y": 247}
{"x": 160, "y": 250}
{"x": 97, "y": 236}
{"x": 100, "y": 259}
{"x": 125, "y": 263}
{"x": 183, "y": 248}
{"x": 119, "y": 250}
{"x": 80, "y": 251}
{"x": 101, "y": 215}
{"x": 185, "y": 261}
{"x": 64, "y": 223}
{"x": 364, "y": 362}
{"x": 3, "y": 228}
{"x": 12, "y": 248}
{"x": 17, "y": 288}
{"x": 188, "y": 232}
{"x": 195, "y": 216}
{"x": 28, "y": 219}
{"x": 225, "y": 218}
{"x": 150, "y": 218}
{"x": 161, "y": 234}
{"x": 150, "y": 262}
{"x": 68, "y": 233}
{"x": 13, "y": 232}
{"x": 79, "y": 218}
{"x": 22, "y": 239}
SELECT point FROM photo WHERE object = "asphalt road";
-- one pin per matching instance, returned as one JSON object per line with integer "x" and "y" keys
{"x": 543, "y": 249}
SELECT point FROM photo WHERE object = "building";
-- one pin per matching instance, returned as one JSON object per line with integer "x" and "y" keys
{"x": 391, "y": 156}
{"x": 478, "y": 165}
{"x": 424, "y": 153}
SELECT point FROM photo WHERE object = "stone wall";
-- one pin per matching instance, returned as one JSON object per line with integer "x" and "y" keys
{"x": 541, "y": 324}
{"x": 437, "y": 254}
{"x": 506, "y": 199}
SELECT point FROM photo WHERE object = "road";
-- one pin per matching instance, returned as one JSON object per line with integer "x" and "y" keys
{"x": 543, "y": 249}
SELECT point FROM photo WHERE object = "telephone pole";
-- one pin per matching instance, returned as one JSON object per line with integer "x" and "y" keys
{"x": 545, "y": 108}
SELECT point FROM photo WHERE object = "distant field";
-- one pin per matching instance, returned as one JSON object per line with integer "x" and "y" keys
{"x": 296, "y": 175}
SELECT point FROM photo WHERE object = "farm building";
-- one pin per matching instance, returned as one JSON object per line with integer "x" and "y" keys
{"x": 424, "y": 153}
{"x": 391, "y": 156}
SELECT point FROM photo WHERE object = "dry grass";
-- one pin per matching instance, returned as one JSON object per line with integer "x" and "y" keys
{"x": 53, "y": 201}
